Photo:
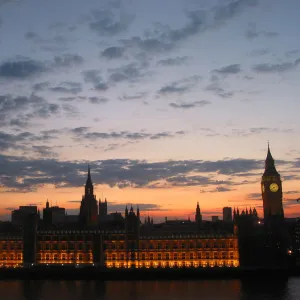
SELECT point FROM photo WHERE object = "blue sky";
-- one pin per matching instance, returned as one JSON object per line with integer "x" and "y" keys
{"x": 156, "y": 81}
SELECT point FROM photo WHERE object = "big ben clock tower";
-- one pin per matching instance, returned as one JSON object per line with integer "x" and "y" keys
{"x": 271, "y": 188}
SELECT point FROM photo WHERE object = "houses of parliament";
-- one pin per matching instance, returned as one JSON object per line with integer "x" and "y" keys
{"x": 114, "y": 240}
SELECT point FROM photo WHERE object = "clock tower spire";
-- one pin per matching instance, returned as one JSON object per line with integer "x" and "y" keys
{"x": 271, "y": 187}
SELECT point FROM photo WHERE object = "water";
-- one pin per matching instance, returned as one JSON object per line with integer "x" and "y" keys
{"x": 288, "y": 289}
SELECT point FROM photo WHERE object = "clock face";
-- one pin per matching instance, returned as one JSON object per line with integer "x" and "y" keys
{"x": 274, "y": 187}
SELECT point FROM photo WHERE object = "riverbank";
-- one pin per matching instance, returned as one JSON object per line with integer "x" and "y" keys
{"x": 71, "y": 273}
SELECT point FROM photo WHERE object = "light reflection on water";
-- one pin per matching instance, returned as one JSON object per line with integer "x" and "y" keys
{"x": 288, "y": 289}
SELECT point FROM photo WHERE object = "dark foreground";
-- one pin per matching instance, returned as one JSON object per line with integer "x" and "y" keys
{"x": 72, "y": 273}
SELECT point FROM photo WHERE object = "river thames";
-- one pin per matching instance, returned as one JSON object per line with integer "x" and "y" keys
{"x": 233, "y": 289}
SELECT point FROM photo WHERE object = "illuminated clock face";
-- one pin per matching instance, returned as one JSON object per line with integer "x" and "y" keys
{"x": 274, "y": 187}
{"x": 263, "y": 188}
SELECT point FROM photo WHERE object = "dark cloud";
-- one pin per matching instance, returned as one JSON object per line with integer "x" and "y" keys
{"x": 231, "y": 69}
{"x": 98, "y": 100}
{"x": 254, "y": 196}
{"x": 113, "y": 52}
{"x": 56, "y": 43}
{"x": 25, "y": 108}
{"x": 276, "y": 68}
{"x": 216, "y": 87}
{"x": 252, "y": 32}
{"x": 94, "y": 77}
{"x": 83, "y": 133}
{"x": 131, "y": 72}
{"x": 176, "y": 61}
{"x": 228, "y": 11}
{"x": 41, "y": 86}
{"x": 21, "y": 174}
{"x": 105, "y": 22}
{"x": 21, "y": 69}
{"x": 180, "y": 86}
{"x": 68, "y": 60}
{"x": 259, "y": 130}
{"x": 24, "y": 140}
{"x": 188, "y": 105}
{"x": 68, "y": 87}
{"x": 137, "y": 96}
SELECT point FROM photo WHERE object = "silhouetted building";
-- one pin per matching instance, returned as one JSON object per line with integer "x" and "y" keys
{"x": 102, "y": 210}
{"x": 88, "y": 215}
{"x": 277, "y": 239}
{"x": 214, "y": 218}
{"x": 19, "y": 216}
{"x": 53, "y": 216}
{"x": 227, "y": 214}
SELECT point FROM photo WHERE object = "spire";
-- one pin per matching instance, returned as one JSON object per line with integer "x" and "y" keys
{"x": 126, "y": 211}
{"x": 89, "y": 179}
{"x": 47, "y": 204}
{"x": 270, "y": 164}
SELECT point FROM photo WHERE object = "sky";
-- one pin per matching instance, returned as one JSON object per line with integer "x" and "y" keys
{"x": 170, "y": 102}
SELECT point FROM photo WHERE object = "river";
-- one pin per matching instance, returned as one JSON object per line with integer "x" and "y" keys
{"x": 233, "y": 289}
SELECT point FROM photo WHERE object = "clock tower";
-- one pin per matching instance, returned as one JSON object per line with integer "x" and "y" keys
{"x": 271, "y": 188}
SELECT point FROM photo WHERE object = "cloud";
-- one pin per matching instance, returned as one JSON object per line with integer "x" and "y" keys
{"x": 230, "y": 69}
{"x": 83, "y": 133}
{"x": 57, "y": 43}
{"x": 254, "y": 196}
{"x": 68, "y": 60}
{"x": 25, "y": 108}
{"x": 21, "y": 69}
{"x": 175, "y": 61}
{"x": 24, "y": 140}
{"x": 131, "y": 72}
{"x": 104, "y": 22}
{"x": 276, "y": 68}
{"x": 216, "y": 87}
{"x": 137, "y": 96}
{"x": 98, "y": 100}
{"x": 226, "y": 12}
{"x": 94, "y": 77}
{"x": 27, "y": 174}
{"x": 188, "y": 105}
{"x": 68, "y": 87}
{"x": 113, "y": 52}
{"x": 180, "y": 86}
{"x": 252, "y": 32}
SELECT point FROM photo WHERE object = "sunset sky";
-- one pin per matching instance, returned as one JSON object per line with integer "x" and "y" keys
{"x": 170, "y": 102}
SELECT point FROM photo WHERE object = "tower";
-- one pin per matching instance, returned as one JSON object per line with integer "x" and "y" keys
{"x": 198, "y": 216}
{"x": 88, "y": 215}
{"x": 276, "y": 236}
{"x": 271, "y": 188}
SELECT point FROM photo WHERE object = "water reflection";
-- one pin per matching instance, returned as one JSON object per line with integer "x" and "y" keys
{"x": 280, "y": 289}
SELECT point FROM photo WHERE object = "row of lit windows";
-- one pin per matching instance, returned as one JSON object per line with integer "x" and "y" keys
{"x": 11, "y": 257}
{"x": 173, "y": 264}
{"x": 11, "y": 246}
{"x": 170, "y": 245}
{"x": 65, "y": 257}
{"x": 167, "y": 256}
{"x": 65, "y": 246}
{"x": 71, "y": 237}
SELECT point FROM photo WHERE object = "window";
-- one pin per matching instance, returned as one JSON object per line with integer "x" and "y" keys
{"x": 167, "y": 256}
{"x": 175, "y": 256}
{"x": 191, "y": 255}
{"x": 183, "y": 255}
{"x": 159, "y": 256}
{"x": 199, "y": 255}
{"x": 182, "y": 246}
{"x": 151, "y": 256}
